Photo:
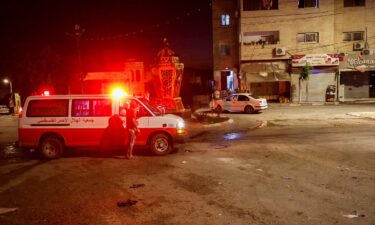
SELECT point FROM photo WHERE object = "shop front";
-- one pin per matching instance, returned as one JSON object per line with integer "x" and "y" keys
{"x": 322, "y": 82}
{"x": 267, "y": 79}
{"x": 357, "y": 78}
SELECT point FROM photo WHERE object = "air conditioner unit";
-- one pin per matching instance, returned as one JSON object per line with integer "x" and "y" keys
{"x": 358, "y": 46}
{"x": 280, "y": 51}
{"x": 367, "y": 51}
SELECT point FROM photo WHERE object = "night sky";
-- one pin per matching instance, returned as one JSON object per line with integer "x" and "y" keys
{"x": 39, "y": 33}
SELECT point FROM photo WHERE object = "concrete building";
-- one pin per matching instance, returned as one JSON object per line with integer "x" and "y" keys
{"x": 225, "y": 44}
{"x": 277, "y": 38}
{"x": 133, "y": 79}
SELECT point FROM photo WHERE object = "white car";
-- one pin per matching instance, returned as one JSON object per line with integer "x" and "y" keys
{"x": 240, "y": 102}
{"x": 4, "y": 109}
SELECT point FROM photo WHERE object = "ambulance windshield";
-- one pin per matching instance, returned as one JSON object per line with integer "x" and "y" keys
{"x": 152, "y": 108}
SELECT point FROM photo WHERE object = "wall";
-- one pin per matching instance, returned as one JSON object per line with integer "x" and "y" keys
{"x": 353, "y": 19}
{"x": 225, "y": 35}
{"x": 289, "y": 20}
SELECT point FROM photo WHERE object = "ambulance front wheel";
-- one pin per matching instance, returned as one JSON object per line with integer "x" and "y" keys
{"x": 51, "y": 147}
{"x": 160, "y": 144}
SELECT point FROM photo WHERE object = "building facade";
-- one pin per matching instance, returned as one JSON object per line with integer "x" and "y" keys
{"x": 277, "y": 38}
{"x": 132, "y": 79}
{"x": 225, "y": 44}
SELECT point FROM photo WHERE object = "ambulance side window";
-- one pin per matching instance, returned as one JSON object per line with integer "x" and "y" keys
{"x": 123, "y": 106}
{"x": 81, "y": 107}
{"x": 122, "y": 111}
{"x": 140, "y": 110}
{"x": 48, "y": 108}
{"x": 101, "y": 107}
{"x": 91, "y": 107}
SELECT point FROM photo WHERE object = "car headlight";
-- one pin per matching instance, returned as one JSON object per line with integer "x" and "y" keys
{"x": 180, "y": 125}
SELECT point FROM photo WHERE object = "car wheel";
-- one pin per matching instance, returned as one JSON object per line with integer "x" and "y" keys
{"x": 249, "y": 109}
{"x": 160, "y": 144}
{"x": 218, "y": 109}
{"x": 51, "y": 148}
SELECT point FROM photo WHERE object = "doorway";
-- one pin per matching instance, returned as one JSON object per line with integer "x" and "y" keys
{"x": 372, "y": 84}
{"x": 227, "y": 80}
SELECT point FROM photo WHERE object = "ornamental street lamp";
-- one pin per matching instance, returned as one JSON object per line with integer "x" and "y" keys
{"x": 7, "y": 81}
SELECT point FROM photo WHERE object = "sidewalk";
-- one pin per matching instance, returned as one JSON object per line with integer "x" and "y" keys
{"x": 8, "y": 128}
{"x": 321, "y": 103}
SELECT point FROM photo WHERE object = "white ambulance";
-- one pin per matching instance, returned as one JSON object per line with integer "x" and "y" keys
{"x": 52, "y": 124}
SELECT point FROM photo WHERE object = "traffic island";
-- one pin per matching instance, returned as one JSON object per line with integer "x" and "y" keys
{"x": 207, "y": 117}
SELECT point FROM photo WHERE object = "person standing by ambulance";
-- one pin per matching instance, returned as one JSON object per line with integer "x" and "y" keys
{"x": 11, "y": 105}
{"x": 132, "y": 128}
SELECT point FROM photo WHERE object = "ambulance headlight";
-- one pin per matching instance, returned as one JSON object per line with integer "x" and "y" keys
{"x": 180, "y": 125}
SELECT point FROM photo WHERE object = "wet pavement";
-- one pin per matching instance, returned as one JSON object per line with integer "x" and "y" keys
{"x": 237, "y": 126}
{"x": 321, "y": 162}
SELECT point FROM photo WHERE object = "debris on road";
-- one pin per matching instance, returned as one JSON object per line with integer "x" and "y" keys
{"x": 184, "y": 162}
{"x": 354, "y": 215}
{"x": 286, "y": 178}
{"x": 341, "y": 168}
{"x": 137, "y": 185}
{"x": 7, "y": 210}
{"x": 261, "y": 125}
{"x": 220, "y": 146}
{"x": 260, "y": 170}
{"x": 127, "y": 203}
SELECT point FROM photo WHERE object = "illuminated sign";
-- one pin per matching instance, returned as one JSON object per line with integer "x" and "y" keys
{"x": 358, "y": 62}
{"x": 315, "y": 60}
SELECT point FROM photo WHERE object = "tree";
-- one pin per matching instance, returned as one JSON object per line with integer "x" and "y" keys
{"x": 304, "y": 75}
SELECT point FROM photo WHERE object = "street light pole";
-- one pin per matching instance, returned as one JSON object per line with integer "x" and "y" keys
{"x": 10, "y": 85}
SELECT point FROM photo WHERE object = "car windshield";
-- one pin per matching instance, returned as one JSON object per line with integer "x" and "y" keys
{"x": 153, "y": 109}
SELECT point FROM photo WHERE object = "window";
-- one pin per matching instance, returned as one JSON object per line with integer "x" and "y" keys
{"x": 308, "y": 37}
{"x": 351, "y": 3}
{"x": 224, "y": 50}
{"x": 48, "y": 108}
{"x": 260, "y": 37}
{"x": 252, "y": 5}
{"x": 138, "y": 75}
{"x": 81, "y": 108}
{"x": 225, "y": 20}
{"x": 143, "y": 112}
{"x": 243, "y": 98}
{"x": 93, "y": 107}
{"x": 101, "y": 107}
{"x": 308, "y": 3}
{"x": 232, "y": 98}
{"x": 352, "y": 36}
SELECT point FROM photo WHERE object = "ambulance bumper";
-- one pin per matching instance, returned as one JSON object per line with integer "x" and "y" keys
{"x": 180, "y": 137}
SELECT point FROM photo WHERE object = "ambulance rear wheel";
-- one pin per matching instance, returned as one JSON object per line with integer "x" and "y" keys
{"x": 51, "y": 148}
{"x": 160, "y": 144}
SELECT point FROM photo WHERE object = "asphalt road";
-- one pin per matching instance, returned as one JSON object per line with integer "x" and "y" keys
{"x": 287, "y": 165}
